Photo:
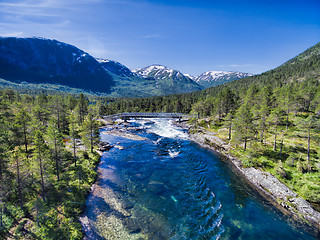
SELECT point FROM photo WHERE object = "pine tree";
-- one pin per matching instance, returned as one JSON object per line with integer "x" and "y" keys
{"x": 73, "y": 134}
{"x": 243, "y": 124}
{"x": 55, "y": 140}
{"x": 17, "y": 162}
{"x": 275, "y": 119}
{"x": 310, "y": 124}
{"x": 90, "y": 132}
{"x": 82, "y": 107}
{"x": 22, "y": 121}
{"x": 40, "y": 156}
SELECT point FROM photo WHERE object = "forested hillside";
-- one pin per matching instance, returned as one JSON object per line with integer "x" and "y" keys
{"x": 47, "y": 164}
{"x": 36, "y": 60}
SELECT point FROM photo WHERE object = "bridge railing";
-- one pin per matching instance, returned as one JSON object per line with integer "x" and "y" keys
{"x": 126, "y": 116}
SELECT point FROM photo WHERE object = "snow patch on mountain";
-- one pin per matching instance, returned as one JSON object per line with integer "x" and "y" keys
{"x": 189, "y": 76}
{"x": 115, "y": 67}
{"x": 214, "y": 78}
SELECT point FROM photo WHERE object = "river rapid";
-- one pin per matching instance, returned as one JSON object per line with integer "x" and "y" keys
{"x": 167, "y": 187}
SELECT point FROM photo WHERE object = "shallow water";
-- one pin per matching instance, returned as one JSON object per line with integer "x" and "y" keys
{"x": 167, "y": 187}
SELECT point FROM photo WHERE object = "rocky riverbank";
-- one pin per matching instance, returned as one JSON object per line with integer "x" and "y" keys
{"x": 301, "y": 212}
{"x": 298, "y": 209}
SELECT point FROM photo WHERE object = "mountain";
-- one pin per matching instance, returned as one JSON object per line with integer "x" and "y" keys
{"x": 215, "y": 78}
{"x": 115, "y": 68}
{"x": 168, "y": 80}
{"x": 37, "y": 60}
{"x": 44, "y": 65}
{"x": 127, "y": 83}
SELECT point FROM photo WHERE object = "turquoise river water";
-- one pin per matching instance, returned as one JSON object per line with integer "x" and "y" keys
{"x": 167, "y": 187}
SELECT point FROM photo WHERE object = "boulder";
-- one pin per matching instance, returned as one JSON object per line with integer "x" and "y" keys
{"x": 104, "y": 146}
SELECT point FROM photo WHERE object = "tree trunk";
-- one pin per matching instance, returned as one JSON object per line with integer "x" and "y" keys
{"x": 281, "y": 147}
{"x": 275, "y": 142}
{"x": 287, "y": 122}
{"x": 19, "y": 182}
{"x": 58, "y": 118}
{"x": 42, "y": 180}
{"x": 245, "y": 144}
{"x": 1, "y": 167}
{"x": 74, "y": 153}
{"x": 56, "y": 158}
{"x": 1, "y": 225}
{"x": 308, "y": 154}
{"x": 91, "y": 135}
{"x": 25, "y": 138}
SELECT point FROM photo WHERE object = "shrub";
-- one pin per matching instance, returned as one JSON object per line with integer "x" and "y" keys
{"x": 281, "y": 171}
{"x": 311, "y": 192}
{"x": 292, "y": 159}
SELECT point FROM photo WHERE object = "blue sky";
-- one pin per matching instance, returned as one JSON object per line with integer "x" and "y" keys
{"x": 192, "y": 36}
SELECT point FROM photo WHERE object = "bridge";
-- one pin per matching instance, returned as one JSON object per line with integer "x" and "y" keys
{"x": 135, "y": 115}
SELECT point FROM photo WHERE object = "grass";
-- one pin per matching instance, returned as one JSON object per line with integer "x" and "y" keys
{"x": 290, "y": 167}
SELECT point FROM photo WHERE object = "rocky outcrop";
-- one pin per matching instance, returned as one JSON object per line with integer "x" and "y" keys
{"x": 104, "y": 146}
{"x": 123, "y": 133}
{"x": 300, "y": 211}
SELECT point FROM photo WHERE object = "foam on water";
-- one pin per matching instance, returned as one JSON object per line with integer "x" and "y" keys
{"x": 173, "y": 153}
{"x": 165, "y": 128}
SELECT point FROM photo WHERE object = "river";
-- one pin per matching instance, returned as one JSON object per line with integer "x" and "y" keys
{"x": 167, "y": 187}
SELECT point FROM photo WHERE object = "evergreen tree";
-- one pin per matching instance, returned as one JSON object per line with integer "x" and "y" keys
{"x": 274, "y": 120}
{"x": 40, "y": 157}
{"x": 73, "y": 135}
{"x": 55, "y": 140}
{"x": 310, "y": 124}
{"x": 90, "y": 132}
{"x": 82, "y": 108}
{"x": 243, "y": 124}
{"x": 22, "y": 121}
{"x": 17, "y": 157}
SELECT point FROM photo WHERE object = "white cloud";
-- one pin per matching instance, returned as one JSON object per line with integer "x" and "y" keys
{"x": 237, "y": 65}
{"x": 11, "y": 34}
{"x": 152, "y": 36}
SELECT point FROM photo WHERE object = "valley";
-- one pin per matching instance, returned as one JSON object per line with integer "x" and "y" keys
{"x": 49, "y": 142}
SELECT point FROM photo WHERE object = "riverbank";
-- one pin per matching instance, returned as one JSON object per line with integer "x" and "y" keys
{"x": 298, "y": 209}
{"x": 111, "y": 225}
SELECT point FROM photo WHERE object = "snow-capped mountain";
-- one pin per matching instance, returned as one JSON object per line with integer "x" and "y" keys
{"x": 158, "y": 71}
{"x": 214, "y": 78}
{"x": 167, "y": 79}
{"x": 115, "y": 67}
{"x": 50, "y": 62}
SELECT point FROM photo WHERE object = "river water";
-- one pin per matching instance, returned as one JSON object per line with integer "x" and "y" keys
{"x": 167, "y": 187}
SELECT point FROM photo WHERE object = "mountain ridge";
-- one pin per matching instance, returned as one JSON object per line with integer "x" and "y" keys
{"x": 46, "y": 61}
{"x": 38, "y": 60}
{"x": 168, "y": 78}
{"x": 214, "y": 78}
